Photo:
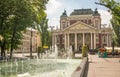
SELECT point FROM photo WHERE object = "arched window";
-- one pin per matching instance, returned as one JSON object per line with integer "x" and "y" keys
{"x": 96, "y": 23}
{"x": 89, "y": 21}
{"x": 85, "y": 21}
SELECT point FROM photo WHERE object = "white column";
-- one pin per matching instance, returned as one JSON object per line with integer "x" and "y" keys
{"x": 83, "y": 39}
{"x": 65, "y": 40}
{"x": 68, "y": 40}
{"x": 110, "y": 40}
{"x": 75, "y": 41}
{"x": 107, "y": 41}
{"x": 94, "y": 40}
{"x": 91, "y": 41}
{"x": 53, "y": 42}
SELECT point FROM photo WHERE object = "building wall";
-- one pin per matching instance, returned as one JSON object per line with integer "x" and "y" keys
{"x": 96, "y": 36}
{"x": 94, "y": 21}
{"x": 26, "y": 41}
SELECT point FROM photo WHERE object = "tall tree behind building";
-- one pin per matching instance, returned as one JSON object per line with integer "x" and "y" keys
{"x": 42, "y": 27}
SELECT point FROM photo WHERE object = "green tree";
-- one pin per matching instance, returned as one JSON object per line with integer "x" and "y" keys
{"x": 38, "y": 7}
{"x": 15, "y": 17}
{"x": 114, "y": 8}
{"x": 116, "y": 27}
{"x": 42, "y": 27}
{"x": 20, "y": 21}
{"x": 49, "y": 38}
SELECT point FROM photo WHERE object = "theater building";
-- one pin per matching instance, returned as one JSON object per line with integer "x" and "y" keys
{"x": 82, "y": 27}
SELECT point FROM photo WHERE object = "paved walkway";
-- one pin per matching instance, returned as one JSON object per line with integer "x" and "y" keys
{"x": 103, "y": 67}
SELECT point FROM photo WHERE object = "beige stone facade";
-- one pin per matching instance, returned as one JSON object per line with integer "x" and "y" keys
{"x": 26, "y": 41}
{"x": 82, "y": 27}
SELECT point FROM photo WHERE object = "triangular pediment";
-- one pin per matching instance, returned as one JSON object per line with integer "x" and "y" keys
{"x": 79, "y": 26}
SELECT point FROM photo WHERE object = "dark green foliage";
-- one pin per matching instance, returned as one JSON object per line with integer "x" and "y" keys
{"x": 116, "y": 28}
{"x": 44, "y": 33}
{"x": 15, "y": 17}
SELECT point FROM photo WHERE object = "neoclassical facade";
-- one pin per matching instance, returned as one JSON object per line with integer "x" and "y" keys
{"x": 82, "y": 27}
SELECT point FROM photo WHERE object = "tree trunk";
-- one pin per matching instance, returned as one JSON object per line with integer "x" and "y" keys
{"x": 12, "y": 42}
{"x": 3, "y": 51}
{"x": 11, "y": 48}
{"x": 11, "y": 51}
{"x": 31, "y": 44}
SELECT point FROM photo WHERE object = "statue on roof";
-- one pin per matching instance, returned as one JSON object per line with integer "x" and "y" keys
{"x": 64, "y": 14}
{"x": 96, "y": 12}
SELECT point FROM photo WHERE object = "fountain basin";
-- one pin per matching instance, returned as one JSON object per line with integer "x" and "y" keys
{"x": 39, "y": 68}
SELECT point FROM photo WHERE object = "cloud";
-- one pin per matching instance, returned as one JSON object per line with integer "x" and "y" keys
{"x": 54, "y": 22}
{"x": 105, "y": 16}
{"x": 53, "y": 6}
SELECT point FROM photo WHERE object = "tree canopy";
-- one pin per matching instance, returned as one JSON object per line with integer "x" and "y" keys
{"x": 42, "y": 27}
{"x": 15, "y": 17}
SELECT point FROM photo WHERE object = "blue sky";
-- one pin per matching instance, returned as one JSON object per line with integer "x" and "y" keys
{"x": 56, "y": 7}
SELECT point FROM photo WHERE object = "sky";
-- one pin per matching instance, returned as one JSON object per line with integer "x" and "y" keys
{"x": 55, "y": 8}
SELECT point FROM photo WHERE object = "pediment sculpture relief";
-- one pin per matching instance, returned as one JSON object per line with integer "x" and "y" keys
{"x": 79, "y": 26}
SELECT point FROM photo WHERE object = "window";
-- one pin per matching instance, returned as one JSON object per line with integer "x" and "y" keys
{"x": 85, "y": 21}
{"x": 104, "y": 39}
{"x": 57, "y": 39}
{"x": 63, "y": 25}
{"x": 72, "y": 37}
{"x": 81, "y": 20}
{"x": 89, "y": 21}
{"x": 63, "y": 39}
{"x": 97, "y": 39}
{"x": 96, "y": 23}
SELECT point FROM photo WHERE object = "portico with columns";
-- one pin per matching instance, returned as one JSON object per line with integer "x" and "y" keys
{"x": 81, "y": 29}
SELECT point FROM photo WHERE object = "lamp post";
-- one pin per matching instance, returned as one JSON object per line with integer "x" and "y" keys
{"x": 23, "y": 50}
{"x": 31, "y": 43}
{"x": 113, "y": 47}
{"x": 113, "y": 43}
{"x": 103, "y": 25}
{"x": 60, "y": 40}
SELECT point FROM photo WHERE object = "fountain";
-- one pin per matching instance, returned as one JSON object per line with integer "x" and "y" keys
{"x": 56, "y": 51}
{"x": 43, "y": 67}
{"x": 69, "y": 51}
{"x": 39, "y": 68}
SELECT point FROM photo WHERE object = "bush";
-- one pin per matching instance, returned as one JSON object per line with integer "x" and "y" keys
{"x": 84, "y": 51}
